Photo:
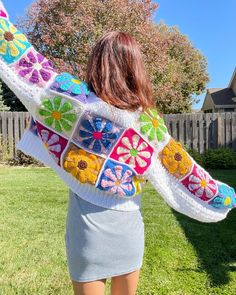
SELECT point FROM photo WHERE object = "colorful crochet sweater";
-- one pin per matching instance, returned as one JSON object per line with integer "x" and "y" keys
{"x": 89, "y": 143}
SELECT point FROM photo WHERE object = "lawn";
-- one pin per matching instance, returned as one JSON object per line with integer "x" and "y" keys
{"x": 182, "y": 256}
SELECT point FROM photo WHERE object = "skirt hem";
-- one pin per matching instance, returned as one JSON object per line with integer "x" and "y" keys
{"x": 106, "y": 276}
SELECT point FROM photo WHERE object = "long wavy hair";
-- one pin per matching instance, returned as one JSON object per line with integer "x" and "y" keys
{"x": 116, "y": 72}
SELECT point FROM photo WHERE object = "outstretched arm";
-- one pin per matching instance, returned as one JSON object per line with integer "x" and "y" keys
{"x": 182, "y": 182}
{"x": 27, "y": 72}
{"x": 22, "y": 68}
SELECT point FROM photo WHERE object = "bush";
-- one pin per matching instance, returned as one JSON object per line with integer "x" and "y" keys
{"x": 199, "y": 158}
{"x": 22, "y": 159}
{"x": 220, "y": 158}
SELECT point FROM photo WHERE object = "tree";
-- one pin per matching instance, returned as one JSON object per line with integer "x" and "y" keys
{"x": 3, "y": 107}
{"x": 8, "y": 100}
{"x": 177, "y": 69}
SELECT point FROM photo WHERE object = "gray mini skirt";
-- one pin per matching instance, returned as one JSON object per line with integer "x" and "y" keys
{"x": 100, "y": 242}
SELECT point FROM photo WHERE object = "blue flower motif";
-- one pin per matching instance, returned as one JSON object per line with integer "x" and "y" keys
{"x": 117, "y": 178}
{"x": 71, "y": 85}
{"x": 226, "y": 197}
{"x": 96, "y": 134}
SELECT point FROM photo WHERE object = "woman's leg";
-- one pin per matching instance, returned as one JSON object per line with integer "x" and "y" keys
{"x": 125, "y": 284}
{"x": 89, "y": 288}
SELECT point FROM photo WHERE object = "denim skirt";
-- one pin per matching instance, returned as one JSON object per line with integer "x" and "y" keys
{"x": 100, "y": 242}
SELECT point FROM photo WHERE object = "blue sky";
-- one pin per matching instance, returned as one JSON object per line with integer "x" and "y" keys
{"x": 210, "y": 25}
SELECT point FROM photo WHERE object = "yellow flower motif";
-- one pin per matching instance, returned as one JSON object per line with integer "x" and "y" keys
{"x": 82, "y": 165}
{"x": 138, "y": 182}
{"x": 12, "y": 43}
{"x": 175, "y": 159}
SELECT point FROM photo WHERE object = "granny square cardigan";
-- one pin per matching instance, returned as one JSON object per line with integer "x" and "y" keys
{"x": 102, "y": 153}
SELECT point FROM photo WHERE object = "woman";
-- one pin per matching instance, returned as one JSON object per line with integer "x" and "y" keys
{"x": 95, "y": 250}
{"x": 98, "y": 142}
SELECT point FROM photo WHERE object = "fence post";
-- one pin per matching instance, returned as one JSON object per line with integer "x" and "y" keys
{"x": 220, "y": 131}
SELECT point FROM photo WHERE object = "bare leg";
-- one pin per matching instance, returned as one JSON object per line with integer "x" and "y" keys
{"x": 125, "y": 284}
{"x": 89, "y": 288}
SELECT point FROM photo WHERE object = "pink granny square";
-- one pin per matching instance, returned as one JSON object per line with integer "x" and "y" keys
{"x": 54, "y": 143}
{"x": 200, "y": 184}
{"x": 133, "y": 150}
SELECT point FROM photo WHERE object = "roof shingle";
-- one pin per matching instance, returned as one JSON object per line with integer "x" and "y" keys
{"x": 222, "y": 96}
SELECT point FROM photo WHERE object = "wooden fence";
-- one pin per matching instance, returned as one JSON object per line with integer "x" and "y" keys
{"x": 198, "y": 131}
{"x": 203, "y": 131}
{"x": 12, "y": 125}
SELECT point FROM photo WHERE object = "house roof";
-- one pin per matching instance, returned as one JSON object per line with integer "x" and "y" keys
{"x": 212, "y": 90}
{"x": 232, "y": 78}
{"x": 222, "y": 96}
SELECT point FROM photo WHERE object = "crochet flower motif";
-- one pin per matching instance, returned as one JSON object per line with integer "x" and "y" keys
{"x": 96, "y": 133}
{"x": 12, "y": 43}
{"x": 117, "y": 179}
{"x": 138, "y": 182}
{"x": 58, "y": 113}
{"x": 3, "y": 12}
{"x": 34, "y": 68}
{"x": 133, "y": 150}
{"x": 82, "y": 165}
{"x": 152, "y": 125}
{"x": 175, "y": 159}
{"x": 226, "y": 197}
{"x": 200, "y": 184}
{"x": 54, "y": 143}
{"x": 51, "y": 143}
{"x": 70, "y": 85}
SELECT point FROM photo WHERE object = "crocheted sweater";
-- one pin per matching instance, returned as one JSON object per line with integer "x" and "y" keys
{"x": 102, "y": 153}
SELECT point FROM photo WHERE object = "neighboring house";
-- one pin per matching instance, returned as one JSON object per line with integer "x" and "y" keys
{"x": 221, "y": 99}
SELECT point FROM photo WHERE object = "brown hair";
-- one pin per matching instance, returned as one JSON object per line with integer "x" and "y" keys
{"x": 116, "y": 72}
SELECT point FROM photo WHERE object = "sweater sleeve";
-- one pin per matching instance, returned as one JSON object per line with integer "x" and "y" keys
{"x": 28, "y": 73}
{"x": 16, "y": 69}
{"x": 185, "y": 186}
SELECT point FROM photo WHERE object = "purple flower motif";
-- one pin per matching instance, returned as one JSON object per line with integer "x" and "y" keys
{"x": 35, "y": 68}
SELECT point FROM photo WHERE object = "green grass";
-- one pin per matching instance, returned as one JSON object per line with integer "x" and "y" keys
{"x": 182, "y": 256}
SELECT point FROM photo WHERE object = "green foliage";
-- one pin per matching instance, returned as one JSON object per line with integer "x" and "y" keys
{"x": 199, "y": 158}
{"x": 221, "y": 158}
{"x": 177, "y": 69}
{"x": 10, "y": 100}
{"x": 3, "y": 106}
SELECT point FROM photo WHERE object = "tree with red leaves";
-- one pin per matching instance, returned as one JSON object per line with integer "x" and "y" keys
{"x": 65, "y": 31}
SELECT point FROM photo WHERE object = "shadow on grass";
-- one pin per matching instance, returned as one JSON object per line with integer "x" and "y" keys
{"x": 214, "y": 243}
{"x": 215, "y": 246}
